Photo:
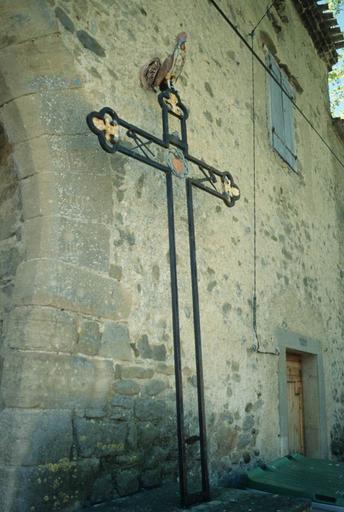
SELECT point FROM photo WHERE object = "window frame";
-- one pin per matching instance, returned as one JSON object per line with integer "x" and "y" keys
{"x": 281, "y": 114}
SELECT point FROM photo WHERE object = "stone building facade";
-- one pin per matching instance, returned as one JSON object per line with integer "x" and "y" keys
{"x": 87, "y": 403}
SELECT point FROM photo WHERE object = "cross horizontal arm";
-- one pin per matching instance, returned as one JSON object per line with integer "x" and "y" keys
{"x": 142, "y": 158}
{"x": 106, "y": 125}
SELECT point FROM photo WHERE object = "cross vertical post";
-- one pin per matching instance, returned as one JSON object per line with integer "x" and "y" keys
{"x": 176, "y": 341}
{"x": 198, "y": 344}
{"x": 107, "y": 125}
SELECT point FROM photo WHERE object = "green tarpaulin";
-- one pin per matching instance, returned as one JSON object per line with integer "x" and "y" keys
{"x": 320, "y": 480}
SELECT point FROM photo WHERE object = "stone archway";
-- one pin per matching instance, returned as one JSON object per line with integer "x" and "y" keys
{"x": 61, "y": 288}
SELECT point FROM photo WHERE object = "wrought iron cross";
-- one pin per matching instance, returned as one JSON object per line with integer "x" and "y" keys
{"x": 107, "y": 126}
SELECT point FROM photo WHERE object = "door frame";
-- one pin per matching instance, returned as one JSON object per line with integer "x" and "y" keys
{"x": 294, "y": 362}
{"x": 307, "y": 347}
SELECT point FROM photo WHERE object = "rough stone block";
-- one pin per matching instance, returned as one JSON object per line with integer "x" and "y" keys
{"x": 47, "y": 487}
{"x": 165, "y": 369}
{"x": 10, "y": 258}
{"x": 156, "y": 457}
{"x": 10, "y": 214}
{"x": 103, "y": 489}
{"x": 132, "y": 437}
{"x": 154, "y": 387}
{"x": 80, "y": 243}
{"x": 151, "y": 478}
{"x": 95, "y": 413}
{"x": 39, "y": 71}
{"x": 148, "y": 410}
{"x": 41, "y": 328}
{"x": 30, "y": 437}
{"x": 53, "y": 283}
{"x": 147, "y": 434}
{"x": 72, "y": 153}
{"x": 25, "y": 19}
{"x": 100, "y": 438}
{"x": 89, "y": 337}
{"x": 126, "y": 387}
{"x": 244, "y": 440}
{"x": 148, "y": 351}
{"x": 249, "y": 422}
{"x": 130, "y": 460}
{"x": 127, "y": 482}
{"x": 82, "y": 196}
{"x": 5, "y": 299}
{"x": 52, "y": 381}
{"x": 226, "y": 437}
{"x": 115, "y": 342}
{"x": 121, "y": 407}
{"x": 55, "y": 112}
{"x": 134, "y": 372}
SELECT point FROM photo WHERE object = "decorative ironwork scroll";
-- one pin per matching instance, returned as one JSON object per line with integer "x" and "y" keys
{"x": 112, "y": 132}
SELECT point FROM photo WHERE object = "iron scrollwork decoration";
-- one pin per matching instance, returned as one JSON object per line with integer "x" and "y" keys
{"x": 140, "y": 145}
{"x": 106, "y": 124}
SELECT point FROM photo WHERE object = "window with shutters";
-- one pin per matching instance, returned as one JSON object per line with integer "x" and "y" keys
{"x": 281, "y": 114}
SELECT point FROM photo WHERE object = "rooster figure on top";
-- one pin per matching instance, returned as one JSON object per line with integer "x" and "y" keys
{"x": 160, "y": 76}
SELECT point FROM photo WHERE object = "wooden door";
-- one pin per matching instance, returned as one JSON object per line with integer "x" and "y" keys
{"x": 296, "y": 436}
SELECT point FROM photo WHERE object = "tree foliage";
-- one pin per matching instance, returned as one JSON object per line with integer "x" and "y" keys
{"x": 336, "y": 76}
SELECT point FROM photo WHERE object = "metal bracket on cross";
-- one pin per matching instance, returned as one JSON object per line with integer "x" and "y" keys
{"x": 112, "y": 131}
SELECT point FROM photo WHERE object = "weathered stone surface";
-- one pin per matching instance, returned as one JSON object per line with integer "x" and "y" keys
{"x": 130, "y": 460}
{"x": 151, "y": 478}
{"x": 72, "y": 241}
{"x": 159, "y": 352}
{"x": 46, "y": 487}
{"x": 103, "y": 489}
{"x": 90, "y": 43}
{"x": 89, "y": 337}
{"x": 77, "y": 197}
{"x": 54, "y": 381}
{"x": 248, "y": 423}
{"x": 41, "y": 329}
{"x": 95, "y": 412}
{"x": 126, "y": 387}
{"x": 244, "y": 440}
{"x": 19, "y": 24}
{"x": 165, "y": 369}
{"x": 115, "y": 342}
{"x": 134, "y": 372}
{"x": 6, "y": 299}
{"x": 155, "y": 457}
{"x": 64, "y": 19}
{"x": 226, "y": 437}
{"x": 127, "y": 482}
{"x": 121, "y": 407}
{"x": 68, "y": 154}
{"x": 54, "y": 112}
{"x": 99, "y": 437}
{"x": 43, "y": 72}
{"x": 147, "y": 410}
{"x": 53, "y": 283}
{"x": 154, "y": 387}
{"x": 132, "y": 438}
{"x": 148, "y": 351}
{"x": 32, "y": 437}
{"x": 10, "y": 257}
{"x": 10, "y": 213}
{"x": 147, "y": 434}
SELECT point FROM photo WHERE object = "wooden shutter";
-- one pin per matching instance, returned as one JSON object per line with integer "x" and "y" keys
{"x": 288, "y": 112}
{"x": 281, "y": 108}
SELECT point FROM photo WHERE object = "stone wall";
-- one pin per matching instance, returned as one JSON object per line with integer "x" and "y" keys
{"x": 10, "y": 228}
{"x": 87, "y": 387}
